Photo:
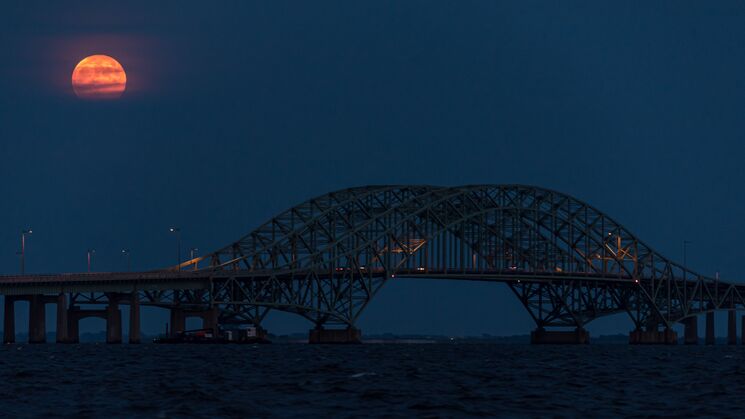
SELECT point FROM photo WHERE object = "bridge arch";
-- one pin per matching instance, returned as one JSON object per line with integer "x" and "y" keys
{"x": 566, "y": 261}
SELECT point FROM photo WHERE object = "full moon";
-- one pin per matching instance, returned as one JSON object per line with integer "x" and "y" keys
{"x": 99, "y": 77}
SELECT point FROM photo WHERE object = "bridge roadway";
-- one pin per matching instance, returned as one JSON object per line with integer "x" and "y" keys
{"x": 78, "y": 282}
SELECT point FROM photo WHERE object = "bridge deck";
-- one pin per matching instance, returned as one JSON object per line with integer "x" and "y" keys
{"x": 101, "y": 282}
{"x": 163, "y": 280}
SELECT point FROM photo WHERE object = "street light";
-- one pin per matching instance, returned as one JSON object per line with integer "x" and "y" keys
{"x": 192, "y": 253}
{"x": 177, "y": 231}
{"x": 126, "y": 253}
{"x": 23, "y": 250}
{"x": 90, "y": 257}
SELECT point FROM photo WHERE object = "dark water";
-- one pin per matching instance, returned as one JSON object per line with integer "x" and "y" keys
{"x": 97, "y": 380}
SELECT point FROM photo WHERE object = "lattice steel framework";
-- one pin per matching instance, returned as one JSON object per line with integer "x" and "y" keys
{"x": 567, "y": 262}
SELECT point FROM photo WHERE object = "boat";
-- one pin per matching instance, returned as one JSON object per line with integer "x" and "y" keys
{"x": 249, "y": 335}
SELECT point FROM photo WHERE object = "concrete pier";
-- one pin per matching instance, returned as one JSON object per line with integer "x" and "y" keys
{"x": 348, "y": 335}
{"x": 541, "y": 336}
{"x": 62, "y": 322}
{"x": 210, "y": 319}
{"x": 691, "y": 331}
{"x": 731, "y": 327}
{"x": 710, "y": 336}
{"x": 37, "y": 332}
{"x": 178, "y": 321}
{"x": 134, "y": 318}
{"x": 113, "y": 321}
{"x": 9, "y": 321}
{"x": 75, "y": 314}
{"x": 742, "y": 330}
{"x": 73, "y": 330}
{"x": 653, "y": 337}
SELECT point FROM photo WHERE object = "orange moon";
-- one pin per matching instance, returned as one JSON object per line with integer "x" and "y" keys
{"x": 99, "y": 77}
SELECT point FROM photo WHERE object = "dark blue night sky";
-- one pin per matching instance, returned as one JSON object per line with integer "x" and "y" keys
{"x": 237, "y": 110}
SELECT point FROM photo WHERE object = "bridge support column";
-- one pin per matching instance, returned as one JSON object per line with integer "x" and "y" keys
{"x": 210, "y": 319}
{"x": 731, "y": 327}
{"x": 134, "y": 318}
{"x": 178, "y": 321}
{"x": 710, "y": 337}
{"x": 653, "y": 337}
{"x": 542, "y": 336}
{"x": 670, "y": 336}
{"x": 742, "y": 330}
{"x": 73, "y": 329}
{"x": 75, "y": 314}
{"x": 62, "y": 318}
{"x": 691, "y": 331}
{"x": 113, "y": 320}
{"x": 348, "y": 335}
{"x": 37, "y": 331}
{"x": 9, "y": 322}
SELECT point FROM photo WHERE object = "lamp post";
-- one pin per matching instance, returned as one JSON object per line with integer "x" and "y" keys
{"x": 23, "y": 249}
{"x": 192, "y": 254}
{"x": 177, "y": 232}
{"x": 90, "y": 257}
{"x": 685, "y": 253}
{"x": 126, "y": 253}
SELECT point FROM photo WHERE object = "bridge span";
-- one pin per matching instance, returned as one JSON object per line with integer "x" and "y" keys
{"x": 325, "y": 260}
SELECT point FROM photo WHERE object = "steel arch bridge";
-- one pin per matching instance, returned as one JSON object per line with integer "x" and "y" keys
{"x": 567, "y": 262}
{"x": 327, "y": 258}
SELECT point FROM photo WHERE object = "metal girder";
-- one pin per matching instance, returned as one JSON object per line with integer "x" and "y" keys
{"x": 326, "y": 258}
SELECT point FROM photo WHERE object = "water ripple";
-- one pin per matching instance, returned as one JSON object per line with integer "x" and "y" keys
{"x": 372, "y": 380}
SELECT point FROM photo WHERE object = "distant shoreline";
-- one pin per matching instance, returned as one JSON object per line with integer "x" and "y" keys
{"x": 385, "y": 338}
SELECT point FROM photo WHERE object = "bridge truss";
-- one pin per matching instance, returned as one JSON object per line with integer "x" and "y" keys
{"x": 567, "y": 262}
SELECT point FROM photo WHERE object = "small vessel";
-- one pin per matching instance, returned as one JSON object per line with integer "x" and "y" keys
{"x": 246, "y": 335}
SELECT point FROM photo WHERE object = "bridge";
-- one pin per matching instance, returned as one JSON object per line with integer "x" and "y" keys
{"x": 327, "y": 258}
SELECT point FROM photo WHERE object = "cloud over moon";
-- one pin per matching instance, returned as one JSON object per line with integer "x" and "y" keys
{"x": 99, "y": 77}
